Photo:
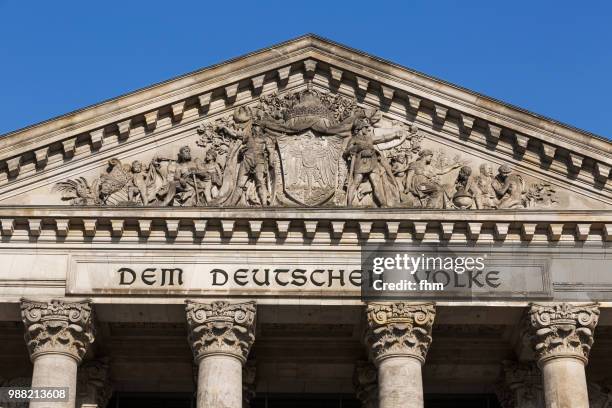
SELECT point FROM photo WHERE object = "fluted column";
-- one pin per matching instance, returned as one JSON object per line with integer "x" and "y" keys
{"x": 58, "y": 334}
{"x": 562, "y": 336}
{"x": 220, "y": 335}
{"x": 520, "y": 386}
{"x": 399, "y": 336}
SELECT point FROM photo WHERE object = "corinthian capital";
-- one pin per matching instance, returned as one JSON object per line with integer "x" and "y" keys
{"x": 221, "y": 328}
{"x": 401, "y": 328}
{"x": 562, "y": 330}
{"x": 58, "y": 326}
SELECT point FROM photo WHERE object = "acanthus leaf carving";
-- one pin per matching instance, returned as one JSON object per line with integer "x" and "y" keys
{"x": 221, "y": 328}
{"x": 562, "y": 330}
{"x": 58, "y": 326}
{"x": 308, "y": 148}
{"x": 400, "y": 328}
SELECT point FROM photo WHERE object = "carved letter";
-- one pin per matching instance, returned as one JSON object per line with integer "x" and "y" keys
{"x": 122, "y": 272}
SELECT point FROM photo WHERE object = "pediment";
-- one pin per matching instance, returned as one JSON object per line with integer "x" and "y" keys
{"x": 307, "y": 123}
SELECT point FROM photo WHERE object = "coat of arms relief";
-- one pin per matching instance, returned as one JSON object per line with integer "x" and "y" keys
{"x": 309, "y": 149}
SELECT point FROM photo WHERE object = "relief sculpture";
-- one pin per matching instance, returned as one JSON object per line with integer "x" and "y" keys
{"x": 311, "y": 149}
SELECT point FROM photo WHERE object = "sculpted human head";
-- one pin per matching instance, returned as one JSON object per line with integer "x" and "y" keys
{"x": 504, "y": 171}
{"x": 211, "y": 155}
{"x": 486, "y": 170}
{"x": 256, "y": 129}
{"x": 465, "y": 172}
{"x": 426, "y": 155}
{"x": 185, "y": 153}
{"x": 136, "y": 166}
{"x": 360, "y": 125}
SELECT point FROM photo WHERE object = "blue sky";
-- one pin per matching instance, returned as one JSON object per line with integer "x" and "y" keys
{"x": 551, "y": 57}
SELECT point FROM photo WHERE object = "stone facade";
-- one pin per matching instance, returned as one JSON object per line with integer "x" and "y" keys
{"x": 218, "y": 219}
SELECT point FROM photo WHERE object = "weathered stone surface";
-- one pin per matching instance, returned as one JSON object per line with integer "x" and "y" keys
{"x": 398, "y": 337}
{"x": 562, "y": 330}
{"x": 365, "y": 379}
{"x": 308, "y": 149}
{"x": 94, "y": 388}
{"x": 221, "y": 328}
{"x": 520, "y": 386}
{"x": 58, "y": 327}
{"x": 562, "y": 336}
{"x": 399, "y": 329}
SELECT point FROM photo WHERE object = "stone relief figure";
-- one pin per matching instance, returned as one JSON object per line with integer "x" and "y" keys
{"x": 256, "y": 157}
{"x": 399, "y": 166}
{"x": 508, "y": 187}
{"x": 482, "y": 188}
{"x": 310, "y": 149}
{"x": 178, "y": 180}
{"x": 208, "y": 176}
{"x": 463, "y": 198}
{"x": 78, "y": 191}
{"x": 137, "y": 187}
{"x": 423, "y": 181}
{"x": 368, "y": 163}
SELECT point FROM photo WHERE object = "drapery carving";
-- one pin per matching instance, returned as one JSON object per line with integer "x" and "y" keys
{"x": 58, "y": 326}
{"x": 308, "y": 148}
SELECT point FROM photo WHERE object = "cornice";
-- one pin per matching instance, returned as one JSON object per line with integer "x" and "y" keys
{"x": 550, "y": 227}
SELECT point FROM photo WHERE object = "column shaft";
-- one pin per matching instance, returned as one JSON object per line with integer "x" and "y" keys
{"x": 565, "y": 383}
{"x": 58, "y": 334}
{"x": 399, "y": 336}
{"x": 220, "y": 382}
{"x": 220, "y": 335}
{"x": 562, "y": 337}
{"x": 400, "y": 383}
{"x": 55, "y": 370}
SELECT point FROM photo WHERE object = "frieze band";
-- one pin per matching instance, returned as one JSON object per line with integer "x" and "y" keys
{"x": 308, "y": 149}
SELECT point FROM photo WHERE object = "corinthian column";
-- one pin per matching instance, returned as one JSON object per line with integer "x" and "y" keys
{"x": 398, "y": 336}
{"x": 58, "y": 334}
{"x": 220, "y": 335}
{"x": 562, "y": 336}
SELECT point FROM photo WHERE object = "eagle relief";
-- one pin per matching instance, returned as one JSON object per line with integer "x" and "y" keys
{"x": 308, "y": 149}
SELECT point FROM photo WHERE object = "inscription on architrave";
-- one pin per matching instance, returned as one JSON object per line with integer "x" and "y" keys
{"x": 270, "y": 277}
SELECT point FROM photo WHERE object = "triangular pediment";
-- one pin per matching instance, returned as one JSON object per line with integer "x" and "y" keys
{"x": 340, "y": 128}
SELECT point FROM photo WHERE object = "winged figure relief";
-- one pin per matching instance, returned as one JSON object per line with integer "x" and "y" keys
{"x": 114, "y": 181}
{"x": 78, "y": 191}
